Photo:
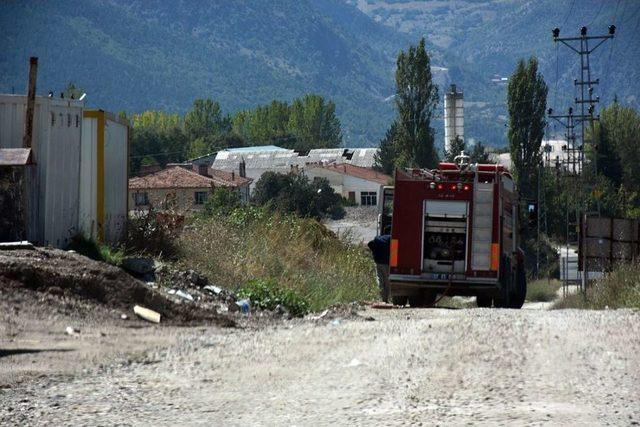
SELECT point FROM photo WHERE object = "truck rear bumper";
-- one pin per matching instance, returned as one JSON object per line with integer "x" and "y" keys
{"x": 413, "y": 285}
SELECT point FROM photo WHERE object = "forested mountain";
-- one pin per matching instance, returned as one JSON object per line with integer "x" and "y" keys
{"x": 477, "y": 40}
{"x": 139, "y": 55}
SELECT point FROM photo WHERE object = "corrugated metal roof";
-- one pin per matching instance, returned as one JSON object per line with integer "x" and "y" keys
{"x": 363, "y": 157}
{"x": 256, "y": 149}
{"x": 283, "y": 158}
{"x": 15, "y": 156}
{"x": 260, "y": 160}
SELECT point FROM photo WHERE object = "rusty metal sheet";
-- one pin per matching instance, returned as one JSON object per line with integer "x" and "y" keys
{"x": 608, "y": 241}
{"x": 625, "y": 229}
{"x": 622, "y": 251}
{"x": 599, "y": 227}
{"x": 15, "y": 156}
{"x": 598, "y": 247}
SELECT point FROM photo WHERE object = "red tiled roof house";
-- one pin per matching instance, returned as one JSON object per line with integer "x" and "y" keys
{"x": 181, "y": 189}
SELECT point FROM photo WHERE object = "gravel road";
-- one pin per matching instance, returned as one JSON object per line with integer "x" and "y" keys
{"x": 409, "y": 366}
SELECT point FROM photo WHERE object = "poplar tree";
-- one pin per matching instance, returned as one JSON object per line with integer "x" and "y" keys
{"x": 384, "y": 159}
{"x": 527, "y": 102}
{"x": 416, "y": 99}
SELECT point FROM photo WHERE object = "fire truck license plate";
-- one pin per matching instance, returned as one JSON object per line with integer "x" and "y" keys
{"x": 441, "y": 276}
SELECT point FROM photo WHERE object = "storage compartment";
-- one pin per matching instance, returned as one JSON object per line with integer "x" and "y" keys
{"x": 444, "y": 236}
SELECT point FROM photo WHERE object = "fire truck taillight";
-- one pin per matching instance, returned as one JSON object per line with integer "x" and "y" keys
{"x": 432, "y": 185}
{"x": 466, "y": 187}
{"x": 440, "y": 187}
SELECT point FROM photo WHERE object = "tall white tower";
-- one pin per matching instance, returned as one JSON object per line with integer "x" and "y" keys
{"x": 453, "y": 116}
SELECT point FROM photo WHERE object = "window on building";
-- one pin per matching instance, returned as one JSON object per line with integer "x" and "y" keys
{"x": 141, "y": 199}
{"x": 368, "y": 198}
{"x": 200, "y": 197}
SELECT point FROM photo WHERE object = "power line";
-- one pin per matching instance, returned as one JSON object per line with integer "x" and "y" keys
{"x": 568, "y": 13}
{"x": 630, "y": 16}
{"x": 597, "y": 14}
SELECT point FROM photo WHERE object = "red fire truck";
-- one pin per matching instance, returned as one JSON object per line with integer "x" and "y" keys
{"x": 454, "y": 231}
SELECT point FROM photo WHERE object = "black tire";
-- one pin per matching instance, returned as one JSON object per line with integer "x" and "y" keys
{"x": 484, "y": 301}
{"x": 504, "y": 299}
{"x": 519, "y": 293}
{"x": 399, "y": 300}
{"x": 425, "y": 299}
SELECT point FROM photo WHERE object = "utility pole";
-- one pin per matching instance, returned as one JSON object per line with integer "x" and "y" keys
{"x": 586, "y": 105}
{"x": 587, "y": 101}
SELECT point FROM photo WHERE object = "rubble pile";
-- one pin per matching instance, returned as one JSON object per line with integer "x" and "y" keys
{"x": 182, "y": 286}
{"x": 73, "y": 277}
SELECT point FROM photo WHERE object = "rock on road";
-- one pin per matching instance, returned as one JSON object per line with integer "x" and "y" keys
{"x": 409, "y": 366}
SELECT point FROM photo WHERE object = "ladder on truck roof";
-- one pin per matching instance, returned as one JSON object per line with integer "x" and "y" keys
{"x": 482, "y": 233}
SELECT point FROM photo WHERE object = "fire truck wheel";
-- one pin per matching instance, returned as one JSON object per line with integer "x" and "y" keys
{"x": 520, "y": 291}
{"x": 483, "y": 301}
{"x": 399, "y": 300}
{"x": 423, "y": 300}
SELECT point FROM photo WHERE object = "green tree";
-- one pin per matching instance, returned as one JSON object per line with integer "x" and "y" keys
{"x": 293, "y": 193}
{"x": 199, "y": 147}
{"x": 527, "y": 101}
{"x": 457, "y": 146}
{"x": 72, "y": 92}
{"x": 159, "y": 136}
{"x": 222, "y": 202}
{"x": 618, "y": 137}
{"x": 205, "y": 120}
{"x": 416, "y": 99}
{"x": 314, "y": 123}
{"x": 479, "y": 154}
{"x": 384, "y": 159}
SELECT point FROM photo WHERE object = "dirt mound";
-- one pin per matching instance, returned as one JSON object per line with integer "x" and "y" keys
{"x": 70, "y": 274}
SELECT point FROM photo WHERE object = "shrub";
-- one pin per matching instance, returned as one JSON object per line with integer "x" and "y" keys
{"x": 293, "y": 193}
{"x": 549, "y": 258}
{"x": 154, "y": 233}
{"x": 95, "y": 250}
{"x": 268, "y": 294}
{"x": 222, "y": 202}
{"x": 542, "y": 290}
{"x": 254, "y": 243}
{"x": 619, "y": 288}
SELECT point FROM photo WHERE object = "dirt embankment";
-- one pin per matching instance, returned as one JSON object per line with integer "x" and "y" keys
{"x": 70, "y": 275}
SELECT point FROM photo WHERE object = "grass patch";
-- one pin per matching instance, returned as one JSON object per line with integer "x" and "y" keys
{"x": 619, "y": 288}
{"x": 96, "y": 250}
{"x": 542, "y": 290}
{"x": 268, "y": 294}
{"x": 298, "y": 254}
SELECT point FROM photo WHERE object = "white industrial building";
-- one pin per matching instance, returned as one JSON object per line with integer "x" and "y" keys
{"x": 258, "y": 160}
{"x": 270, "y": 158}
{"x": 359, "y": 185}
{"x": 554, "y": 155}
